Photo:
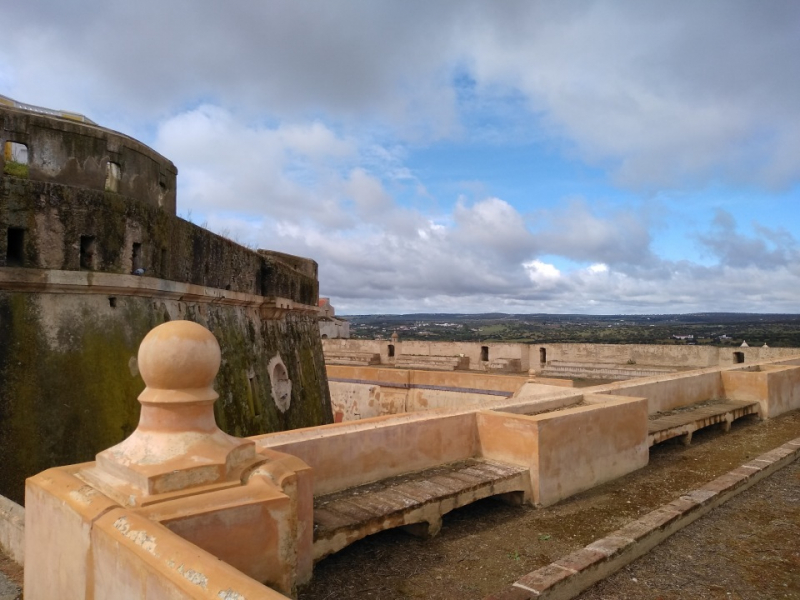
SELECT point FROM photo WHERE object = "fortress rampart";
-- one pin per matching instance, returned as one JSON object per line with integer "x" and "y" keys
{"x": 601, "y": 361}
{"x": 92, "y": 257}
{"x": 64, "y": 151}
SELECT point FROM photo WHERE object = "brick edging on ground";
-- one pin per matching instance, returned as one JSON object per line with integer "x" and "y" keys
{"x": 570, "y": 575}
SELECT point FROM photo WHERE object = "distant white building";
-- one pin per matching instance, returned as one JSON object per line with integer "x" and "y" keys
{"x": 331, "y": 327}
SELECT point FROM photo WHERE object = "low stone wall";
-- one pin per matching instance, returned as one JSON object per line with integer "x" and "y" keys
{"x": 601, "y": 371}
{"x": 572, "y": 449}
{"x": 649, "y": 355}
{"x": 345, "y": 455}
{"x": 567, "y": 450}
{"x": 364, "y": 392}
{"x": 613, "y": 361}
{"x": 486, "y": 356}
{"x": 775, "y": 387}
{"x": 12, "y": 530}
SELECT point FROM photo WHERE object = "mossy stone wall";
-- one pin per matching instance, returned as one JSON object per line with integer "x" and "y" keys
{"x": 77, "y": 154}
{"x": 55, "y": 217}
{"x": 69, "y": 380}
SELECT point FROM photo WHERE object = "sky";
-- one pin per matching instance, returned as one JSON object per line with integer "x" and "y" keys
{"x": 598, "y": 157}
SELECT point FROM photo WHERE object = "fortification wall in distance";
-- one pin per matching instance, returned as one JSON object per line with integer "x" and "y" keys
{"x": 538, "y": 358}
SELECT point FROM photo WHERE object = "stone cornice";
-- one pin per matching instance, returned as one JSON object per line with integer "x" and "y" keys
{"x": 112, "y": 284}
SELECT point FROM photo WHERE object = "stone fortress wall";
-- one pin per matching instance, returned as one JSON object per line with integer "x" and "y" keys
{"x": 370, "y": 378}
{"x": 69, "y": 152}
{"x": 587, "y": 360}
{"x": 82, "y": 209}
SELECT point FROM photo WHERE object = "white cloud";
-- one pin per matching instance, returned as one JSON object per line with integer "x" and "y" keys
{"x": 311, "y": 196}
{"x": 669, "y": 92}
{"x": 291, "y": 128}
{"x": 542, "y": 274}
{"x": 597, "y": 268}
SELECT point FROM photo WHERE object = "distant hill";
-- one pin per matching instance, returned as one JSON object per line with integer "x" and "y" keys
{"x": 695, "y": 328}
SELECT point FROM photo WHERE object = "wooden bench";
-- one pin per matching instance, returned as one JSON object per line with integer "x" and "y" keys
{"x": 685, "y": 421}
{"x": 416, "y": 501}
{"x": 352, "y": 358}
{"x": 432, "y": 363}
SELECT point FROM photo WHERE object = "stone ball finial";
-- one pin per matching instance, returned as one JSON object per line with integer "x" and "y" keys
{"x": 177, "y": 444}
{"x": 179, "y": 355}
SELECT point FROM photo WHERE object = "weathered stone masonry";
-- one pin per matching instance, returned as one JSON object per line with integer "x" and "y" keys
{"x": 73, "y": 230}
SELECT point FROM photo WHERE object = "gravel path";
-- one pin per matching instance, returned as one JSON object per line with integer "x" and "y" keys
{"x": 10, "y": 579}
{"x": 748, "y": 549}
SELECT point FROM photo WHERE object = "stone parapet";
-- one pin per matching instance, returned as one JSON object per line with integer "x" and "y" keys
{"x": 52, "y": 226}
{"x": 84, "y": 154}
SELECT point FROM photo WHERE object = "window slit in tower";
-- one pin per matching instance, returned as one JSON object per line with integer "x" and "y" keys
{"x": 136, "y": 257}
{"x": 88, "y": 250}
{"x": 15, "y": 247}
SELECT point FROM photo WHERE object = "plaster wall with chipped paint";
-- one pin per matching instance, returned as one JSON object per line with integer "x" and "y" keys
{"x": 250, "y": 535}
{"x": 12, "y": 530}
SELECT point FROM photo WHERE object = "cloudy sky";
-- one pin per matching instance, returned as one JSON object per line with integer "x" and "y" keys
{"x": 460, "y": 156}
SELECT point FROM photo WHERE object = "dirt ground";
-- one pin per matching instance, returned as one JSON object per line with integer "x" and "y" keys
{"x": 13, "y": 574}
{"x": 749, "y": 548}
{"x": 486, "y": 546}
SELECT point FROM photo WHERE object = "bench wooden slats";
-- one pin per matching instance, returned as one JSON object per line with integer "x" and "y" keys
{"x": 344, "y": 517}
{"x": 685, "y": 422}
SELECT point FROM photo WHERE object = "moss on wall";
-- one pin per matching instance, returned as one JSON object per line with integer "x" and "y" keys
{"x": 66, "y": 397}
{"x": 70, "y": 381}
{"x": 15, "y": 169}
{"x": 171, "y": 248}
